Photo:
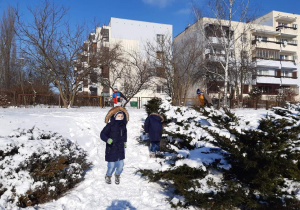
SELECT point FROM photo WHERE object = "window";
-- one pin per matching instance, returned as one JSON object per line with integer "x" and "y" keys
{"x": 295, "y": 58}
{"x": 160, "y": 72}
{"x": 80, "y": 88}
{"x": 160, "y": 89}
{"x": 159, "y": 37}
{"x": 265, "y": 89}
{"x": 286, "y": 73}
{"x": 283, "y": 40}
{"x": 243, "y": 38}
{"x": 159, "y": 55}
{"x": 284, "y": 57}
{"x": 105, "y": 34}
{"x": 261, "y": 38}
{"x": 267, "y": 53}
{"x": 105, "y": 72}
{"x": 294, "y": 42}
{"x": 294, "y": 26}
{"x": 263, "y": 72}
{"x": 282, "y": 24}
{"x": 93, "y": 90}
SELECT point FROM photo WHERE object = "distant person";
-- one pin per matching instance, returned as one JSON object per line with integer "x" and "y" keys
{"x": 153, "y": 126}
{"x": 115, "y": 136}
{"x": 204, "y": 99}
{"x": 117, "y": 96}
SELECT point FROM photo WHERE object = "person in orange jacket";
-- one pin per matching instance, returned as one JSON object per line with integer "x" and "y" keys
{"x": 204, "y": 99}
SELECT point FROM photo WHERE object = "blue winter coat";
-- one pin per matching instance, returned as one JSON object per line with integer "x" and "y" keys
{"x": 153, "y": 126}
{"x": 116, "y": 130}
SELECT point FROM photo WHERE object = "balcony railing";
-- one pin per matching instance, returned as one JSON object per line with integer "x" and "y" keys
{"x": 283, "y": 26}
{"x": 275, "y": 42}
{"x": 274, "y": 76}
{"x": 274, "y": 59}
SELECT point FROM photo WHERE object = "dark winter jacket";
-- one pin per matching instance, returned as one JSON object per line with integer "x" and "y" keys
{"x": 153, "y": 126}
{"x": 116, "y": 130}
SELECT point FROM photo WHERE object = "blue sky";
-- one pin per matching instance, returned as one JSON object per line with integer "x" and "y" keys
{"x": 175, "y": 12}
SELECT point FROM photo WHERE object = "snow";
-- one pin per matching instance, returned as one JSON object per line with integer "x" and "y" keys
{"x": 83, "y": 125}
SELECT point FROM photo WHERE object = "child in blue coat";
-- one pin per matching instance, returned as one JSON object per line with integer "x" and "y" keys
{"x": 115, "y": 136}
{"x": 153, "y": 126}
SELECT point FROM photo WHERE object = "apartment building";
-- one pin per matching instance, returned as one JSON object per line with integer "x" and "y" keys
{"x": 275, "y": 49}
{"x": 270, "y": 41}
{"x": 133, "y": 36}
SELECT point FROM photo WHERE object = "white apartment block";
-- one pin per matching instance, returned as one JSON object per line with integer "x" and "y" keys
{"x": 272, "y": 43}
{"x": 133, "y": 36}
{"x": 275, "y": 40}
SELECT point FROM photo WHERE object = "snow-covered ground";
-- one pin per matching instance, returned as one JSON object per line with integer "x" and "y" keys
{"x": 83, "y": 125}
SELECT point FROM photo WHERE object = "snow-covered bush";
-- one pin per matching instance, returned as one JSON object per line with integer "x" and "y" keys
{"x": 38, "y": 166}
{"x": 237, "y": 166}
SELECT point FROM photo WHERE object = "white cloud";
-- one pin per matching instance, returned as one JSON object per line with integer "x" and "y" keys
{"x": 183, "y": 11}
{"x": 159, "y": 3}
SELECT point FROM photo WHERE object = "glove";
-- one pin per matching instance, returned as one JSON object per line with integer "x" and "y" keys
{"x": 109, "y": 141}
{"x": 125, "y": 145}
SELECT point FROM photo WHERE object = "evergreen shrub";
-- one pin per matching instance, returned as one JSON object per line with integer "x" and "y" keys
{"x": 50, "y": 164}
{"x": 153, "y": 106}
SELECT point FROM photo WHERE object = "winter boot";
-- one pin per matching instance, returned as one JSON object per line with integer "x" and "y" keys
{"x": 117, "y": 179}
{"x": 108, "y": 179}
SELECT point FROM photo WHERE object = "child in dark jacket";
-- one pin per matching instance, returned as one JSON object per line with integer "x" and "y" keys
{"x": 115, "y": 136}
{"x": 153, "y": 126}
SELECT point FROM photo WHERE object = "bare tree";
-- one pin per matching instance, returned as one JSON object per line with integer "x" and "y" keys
{"x": 188, "y": 59}
{"x": 8, "y": 54}
{"x": 113, "y": 63}
{"x": 116, "y": 66}
{"x": 242, "y": 67}
{"x": 177, "y": 63}
{"x": 223, "y": 30}
{"x": 160, "y": 55}
{"x": 137, "y": 75}
{"x": 53, "y": 46}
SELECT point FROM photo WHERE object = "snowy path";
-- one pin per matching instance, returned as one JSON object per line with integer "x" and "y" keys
{"x": 83, "y": 125}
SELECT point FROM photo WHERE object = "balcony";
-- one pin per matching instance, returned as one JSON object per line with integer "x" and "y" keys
{"x": 275, "y": 63}
{"x": 285, "y": 19}
{"x": 219, "y": 41}
{"x": 215, "y": 57}
{"x": 267, "y": 79}
{"x": 287, "y": 32}
{"x": 289, "y": 47}
{"x": 255, "y": 41}
{"x": 265, "y": 32}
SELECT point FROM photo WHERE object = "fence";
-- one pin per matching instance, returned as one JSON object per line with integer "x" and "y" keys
{"x": 79, "y": 101}
{"x": 34, "y": 99}
{"x": 138, "y": 102}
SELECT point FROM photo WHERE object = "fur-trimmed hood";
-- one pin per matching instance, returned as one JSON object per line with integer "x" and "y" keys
{"x": 114, "y": 110}
{"x": 162, "y": 119}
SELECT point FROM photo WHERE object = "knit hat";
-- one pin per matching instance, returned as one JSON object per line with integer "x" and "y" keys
{"x": 115, "y": 87}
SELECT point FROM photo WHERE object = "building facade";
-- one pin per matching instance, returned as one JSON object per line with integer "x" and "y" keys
{"x": 275, "y": 49}
{"x": 270, "y": 42}
{"x": 133, "y": 37}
